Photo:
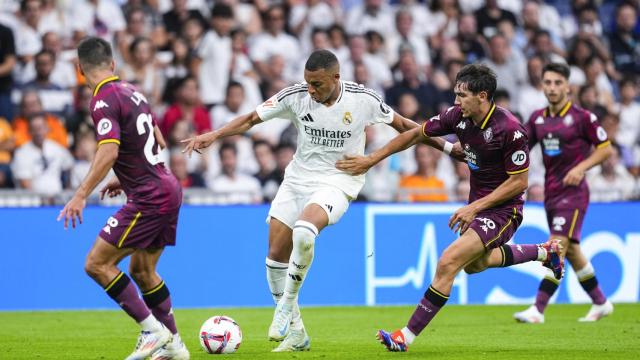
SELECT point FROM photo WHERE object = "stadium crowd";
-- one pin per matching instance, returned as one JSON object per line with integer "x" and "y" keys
{"x": 202, "y": 62}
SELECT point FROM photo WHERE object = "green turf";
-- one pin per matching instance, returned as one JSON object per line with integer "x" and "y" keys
{"x": 459, "y": 332}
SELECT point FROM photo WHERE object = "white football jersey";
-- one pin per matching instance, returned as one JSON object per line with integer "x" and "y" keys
{"x": 327, "y": 133}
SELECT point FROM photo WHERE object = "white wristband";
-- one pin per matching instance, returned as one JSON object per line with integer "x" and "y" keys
{"x": 447, "y": 148}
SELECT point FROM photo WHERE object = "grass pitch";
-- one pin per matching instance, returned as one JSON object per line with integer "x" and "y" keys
{"x": 459, "y": 332}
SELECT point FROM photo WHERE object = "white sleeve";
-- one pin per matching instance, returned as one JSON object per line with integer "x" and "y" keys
{"x": 380, "y": 111}
{"x": 279, "y": 105}
{"x": 21, "y": 168}
{"x": 204, "y": 48}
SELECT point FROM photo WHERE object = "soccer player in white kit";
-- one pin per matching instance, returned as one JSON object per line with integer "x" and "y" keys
{"x": 330, "y": 115}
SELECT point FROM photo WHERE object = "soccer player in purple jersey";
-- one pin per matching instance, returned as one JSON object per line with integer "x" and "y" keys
{"x": 567, "y": 135}
{"x": 128, "y": 142}
{"x": 496, "y": 150}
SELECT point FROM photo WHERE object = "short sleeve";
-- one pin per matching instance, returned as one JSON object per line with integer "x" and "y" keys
{"x": 105, "y": 118}
{"x": 382, "y": 113}
{"x": 442, "y": 124}
{"x": 516, "y": 150}
{"x": 279, "y": 105}
{"x": 593, "y": 132}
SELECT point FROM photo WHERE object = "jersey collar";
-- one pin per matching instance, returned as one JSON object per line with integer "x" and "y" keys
{"x": 486, "y": 118}
{"x": 341, "y": 92}
{"x": 109, "y": 79}
{"x": 562, "y": 113}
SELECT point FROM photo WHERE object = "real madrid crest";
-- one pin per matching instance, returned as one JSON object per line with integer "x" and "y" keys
{"x": 488, "y": 134}
{"x": 347, "y": 119}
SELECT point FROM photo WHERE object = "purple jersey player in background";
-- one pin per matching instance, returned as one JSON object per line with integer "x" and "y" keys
{"x": 496, "y": 150}
{"x": 567, "y": 135}
{"x": 128, "y": 142}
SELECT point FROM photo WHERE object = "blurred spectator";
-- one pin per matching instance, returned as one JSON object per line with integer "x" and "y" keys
{"x": 151, "y": 26}
{"x": 595, "y": 76}
{"x": 624, "y": 42}
{"x": 267, "y": 175}
{"x": 542, "y": 45}
{"x": 462, "y": 189}
{"x": 231, "y": 186}
{"x": 186, "y": 107}
{"x": 379, "y": 73}
{"x": 510, "y": 69}
{"x": 81, "y": 122}
{"x": 29, "y": 29}
{"x": 412, "y": 81}
{"x": 423, "y": 186}
{"x": 246, "y": 14}
{"x": 422, "y": 17}
{"x": 7, "y": 145}
{"x": 231, "y": 108}
{"x": 139, "y": 26}
{"x": 55, "y": 98}
{"x": 143, "y": 70}
{"x": 471, "y": 43}
{"x": 7, "y": 64}
{"x": 30, "y": 105}
{"x": 490, "y": 15}
{"x": 212, "y": 62}
{"x": 501, "y": 98}
{"x": 531, "y": 96}
{"x": 444, "y": 20}
{"x": 445, "y": 82}
{"x": 39, "y": 164}
{"x": 629, "y": 110}
{"x": 588, "y": 99}
{"x": 409, "y": 107}
{"x": 242, "y": 70}
{"x": 338, "y": 41}
{"x": 102, "y": 18}
{"x": 274, "y": 41}
{"x": 178, "y": 166}
{"x": 307, "y": 15}
{"x": 284, "y": 155}
{"x": 63, "y": 72}
{"x": 611, "y": 181}
{"x": 405, "y": 39}
{"x": 177, "y": 68}
{"x": 176, "y": 18}
{"x": 370, "y": 15}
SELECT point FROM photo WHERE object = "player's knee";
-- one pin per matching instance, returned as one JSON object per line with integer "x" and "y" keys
{"x": 142, "y": 276}
{"x": 447, "y": 264}
{"x": 93, "y": 268}
{"x": 572, "y": 251}
{"x": 475, "y": 267}
{"x": 304, "y": 235}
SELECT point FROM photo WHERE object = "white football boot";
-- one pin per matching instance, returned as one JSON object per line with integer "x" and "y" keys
{"x": 173, "y": 350}
{"x": 597, "y": 312}
{"x": 297, "y": 340}
{"x": 530, "y": 316}
{"x": 281, "y": 323}
{"x": 149, "y": 342}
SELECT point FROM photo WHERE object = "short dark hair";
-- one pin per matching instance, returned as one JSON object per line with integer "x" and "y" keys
{"x": 501, "y": 94}
{"x": 233, "y": 84}
{"x": 559, "y": 68}
{"x": 221, "y": 11}
{"x": 228, "y": 146}
{"x": 321, "y": 59}
{"x": 94, "y": 52}
{"x": 261, "y": 142}
{"x": 478, "y": 77}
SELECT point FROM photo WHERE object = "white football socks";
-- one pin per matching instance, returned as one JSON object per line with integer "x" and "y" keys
{"x": 408, "y": 335}
{"x": 150, "y": 324}
{"x": 277, "y": 277}
{"x": 304, "y": 236}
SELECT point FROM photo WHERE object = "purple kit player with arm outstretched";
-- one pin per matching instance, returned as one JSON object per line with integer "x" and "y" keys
{"x": 128, "y": 142}
{"x": 567, "y": 135}
{"x": 496, "y": 150}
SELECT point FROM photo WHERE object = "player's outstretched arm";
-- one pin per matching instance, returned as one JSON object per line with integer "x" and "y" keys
{"x": 239, "y": 125}
{"x": 402, "y": 124}
{"x": 598, "y": 156}
{"x": 356, "y": 165}
{"x": 510, "y": 188}
{"x": 103, "y": 162}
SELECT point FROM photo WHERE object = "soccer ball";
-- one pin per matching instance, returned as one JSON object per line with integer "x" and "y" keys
{"x": 220, "y": 335}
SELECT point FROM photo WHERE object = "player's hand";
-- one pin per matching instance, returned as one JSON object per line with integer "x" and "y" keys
{"x": 457, "y": 152}
{"x": 73, "y": 210}
{"x": 462, "y": 218}
{"x": 573, "y": 177}
{"x": 197, "y": 142}
{"x": 354, "y": 165}
{"x": 111, "y": 189}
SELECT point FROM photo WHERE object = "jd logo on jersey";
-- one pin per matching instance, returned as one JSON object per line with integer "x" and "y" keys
{"x": 347, "y": 119}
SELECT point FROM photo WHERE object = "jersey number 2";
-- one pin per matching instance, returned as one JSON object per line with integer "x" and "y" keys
{"x": 149, "y": 153}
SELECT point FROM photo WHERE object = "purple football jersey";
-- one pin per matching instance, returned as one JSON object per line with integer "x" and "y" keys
{"x": 566, "y": 139}
{"x": 496, "y": 149}
{"x": 122, "y": 115}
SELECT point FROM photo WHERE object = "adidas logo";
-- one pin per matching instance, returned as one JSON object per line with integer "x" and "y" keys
{"x": 295, "y": 277}
{"x": 330, "y": 207}
{"x": 462, "y": 125}
{"x": 307, "y": 118}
